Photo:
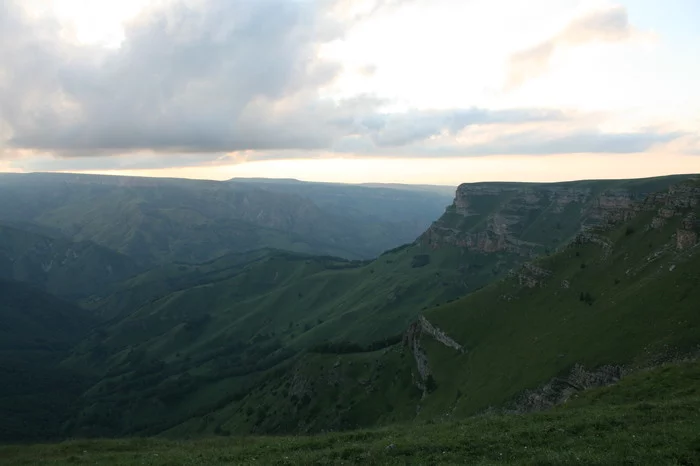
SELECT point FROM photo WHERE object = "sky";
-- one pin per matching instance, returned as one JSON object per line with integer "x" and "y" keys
{"x": 409, "y": 91}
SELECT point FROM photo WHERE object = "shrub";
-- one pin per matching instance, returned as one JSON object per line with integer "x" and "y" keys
{"x": 430, "y": 384}
{"x": 586, "y": 298}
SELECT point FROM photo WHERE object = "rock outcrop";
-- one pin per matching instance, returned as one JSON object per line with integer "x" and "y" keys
{"x": 686, "y": 235}
{"x": 529, "y": 219}
{"x": 502, "y": 217}
{"x": 412, "y": 340}
{"x": 439, "y": 335}
{"x": 531, "y": 275}
{"x": 559, "y": 390}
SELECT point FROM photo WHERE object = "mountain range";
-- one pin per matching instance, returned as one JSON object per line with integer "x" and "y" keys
{"x": 187, "y": 308}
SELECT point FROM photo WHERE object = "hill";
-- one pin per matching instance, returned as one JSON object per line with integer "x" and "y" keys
{"x": 166, "y": 220}
{"x": 276, "y": 342}
{"x": 620, "y": 297}
{"x": 519, "y": 296}
{"x": 73, "y": 270}
{"x": 648, "y": 418}
{"x": 37, "y": 331}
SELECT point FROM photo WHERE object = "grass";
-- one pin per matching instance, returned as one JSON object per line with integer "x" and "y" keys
{"x": 637, "y": 421}
{"x": 214, "y": 346}
{"x": 224, "y": 345}
{"x": 519, "y": 338}
{"x": 516, "y": 338}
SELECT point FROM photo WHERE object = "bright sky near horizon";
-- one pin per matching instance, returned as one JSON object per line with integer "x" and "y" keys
{"x": 413, "y": 91}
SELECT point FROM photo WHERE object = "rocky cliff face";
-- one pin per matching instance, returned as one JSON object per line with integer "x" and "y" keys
{"x": 529, "y": 219}
{"x": 559, "y": 390}
{"x": 412, "y": 340}
{"x": 674, "y": 203}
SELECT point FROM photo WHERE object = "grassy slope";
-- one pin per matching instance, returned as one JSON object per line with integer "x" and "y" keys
{"x": 645, "y": 296}
{"x": 209, "y": 333}
{"x": 250, "y": 313}
{"x": 648, "y": 418}
{"x": 37, "y": 330}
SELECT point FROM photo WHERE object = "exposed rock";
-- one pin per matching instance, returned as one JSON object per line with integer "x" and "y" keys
{"x": 511, "y": 209}
{"x": 686, "y": 236}
{"x": 690, "y": 222}
{"x": 412, "y": 338}
{"x": 490, "y": 218}
{"x": 589, "y": 237}
{"x": 559, "y": 390}
{"x": 685, "y": 239}
{"x": 665, "y": 212}
{"x": 658, "y": 222}
{"x": 439, "y": 335}
{"x": 531, "y": 275}
{"x": 412, "y": 341}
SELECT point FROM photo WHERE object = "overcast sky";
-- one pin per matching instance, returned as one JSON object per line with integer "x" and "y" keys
{"x": 425, "y": 91}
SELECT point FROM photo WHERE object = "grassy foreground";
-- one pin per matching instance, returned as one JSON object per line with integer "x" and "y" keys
{"x": 651, "y": 417}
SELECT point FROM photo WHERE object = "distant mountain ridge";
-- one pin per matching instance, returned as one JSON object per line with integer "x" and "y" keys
{"x": 60, "y": 266}
{"x": 164, "y": 220}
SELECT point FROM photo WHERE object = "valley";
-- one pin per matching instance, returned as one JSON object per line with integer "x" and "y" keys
{"x": 342, "y": 232}
{"x": 521, "y": 305}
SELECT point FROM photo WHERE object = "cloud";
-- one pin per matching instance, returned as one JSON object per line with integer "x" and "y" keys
{"x": 610, "y": 24}
{"x": 142, "y": 160}
{"x": 580, "y": 142}
{"x": 402, "y": 129}
{"x": 688, "y": 144}
{"x": 508, "y": 140}
{"x": 189, "y": 79}
{"x": 196, "y": 81}
{"x": 219, "y": 76}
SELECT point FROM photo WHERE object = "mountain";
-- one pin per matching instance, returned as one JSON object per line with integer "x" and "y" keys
{"x": 410, "y": 206}
{"x": 164, "y": 220}
{"x": 73, "y": 270}
{"x": 619, "y": 298}
{"x": 37, "y": 331}
{"x": 516, "y": 299}
{"x": 294, "y": 332}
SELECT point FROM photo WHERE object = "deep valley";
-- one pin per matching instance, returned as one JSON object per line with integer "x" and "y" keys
{"x": 174, "y": 309}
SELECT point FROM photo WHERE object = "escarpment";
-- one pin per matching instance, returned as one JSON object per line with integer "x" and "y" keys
{"x": 528, "y": 220}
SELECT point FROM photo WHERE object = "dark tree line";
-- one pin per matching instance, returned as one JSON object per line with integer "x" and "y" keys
{"x": 345, "y": 347}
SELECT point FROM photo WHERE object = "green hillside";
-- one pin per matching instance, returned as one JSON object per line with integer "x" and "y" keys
{"x": 622, "y": 296}
{"x": 518, "y": 298}
{"x": 226, "y": 338}
{"x": 648, "y": 418}
{"x": 618, "y": 298}
{"x": 37, "y": 331}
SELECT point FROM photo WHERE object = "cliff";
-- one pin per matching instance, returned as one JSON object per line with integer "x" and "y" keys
{"x": 530, "y": 219}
